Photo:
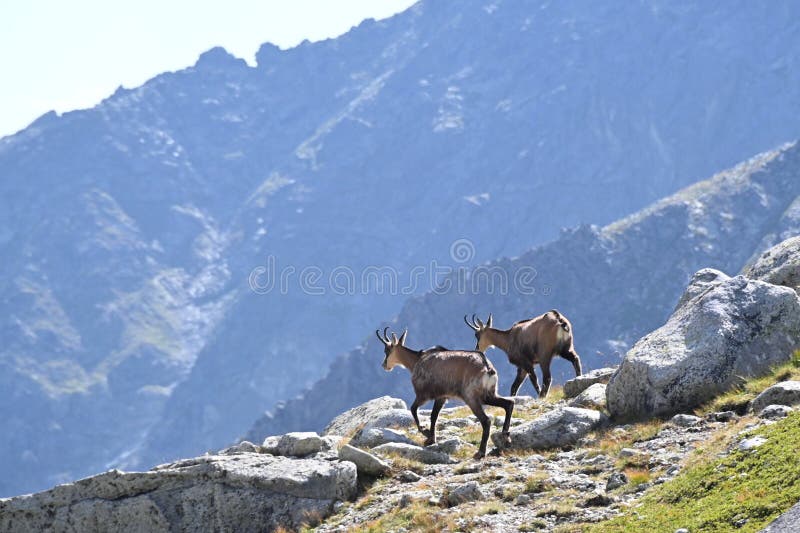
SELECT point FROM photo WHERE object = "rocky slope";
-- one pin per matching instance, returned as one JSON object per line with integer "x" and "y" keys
{"x": 614, "y": 283}
{"x": 565, "y": 466}
{"x": 128, "y": 231}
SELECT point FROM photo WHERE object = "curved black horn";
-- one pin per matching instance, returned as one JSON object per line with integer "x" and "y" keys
{"x": 378, "y": 334}
{"x": 386, "y": 336}
{"x": 479, "y": 322}
{"x": 472, "y": 326}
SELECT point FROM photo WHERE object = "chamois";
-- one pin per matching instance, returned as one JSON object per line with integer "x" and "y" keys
{"x": 442, "y": 374}
{"x": 527, "y": 342}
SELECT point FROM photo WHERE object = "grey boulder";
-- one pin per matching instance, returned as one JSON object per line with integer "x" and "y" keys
{"x": 773, "y": 412}
{"x": 244, "y": 492}
{"x": 783, "y": 393}
{"x": 578, "y": 384}
{"x": 780, "y": 265}
{"x": 726, "y": 329}
{"x": 468, "y": 492}
{"x": 559, "y": 427}
{"x": 379, "y": 412}
{"x": 594, "y": 397}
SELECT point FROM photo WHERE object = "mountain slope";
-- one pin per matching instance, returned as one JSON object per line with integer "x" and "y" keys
{"x": 128, "y": 231}
{"x": 614, "y": 283}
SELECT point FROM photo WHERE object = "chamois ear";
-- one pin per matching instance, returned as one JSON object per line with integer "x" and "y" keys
{"x": 489, "y": 321}
{"x": 403, "y": 338}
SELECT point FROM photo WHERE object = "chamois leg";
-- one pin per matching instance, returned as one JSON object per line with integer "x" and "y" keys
{"x": 531, "y": 370}
{"x": 572, "y": 356}
{"x": 521, "y": 375}
{"x": 413, "y": 409}
{"x": 438, "y": 403}
{"x": 547, "y": 378}
{"x": 477, "y": 410}
{"x": 508, "y": 405}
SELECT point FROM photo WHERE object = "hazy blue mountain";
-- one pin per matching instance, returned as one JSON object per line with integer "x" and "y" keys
{"x": 615, "y": 284}
{"x": 128, "y": 332}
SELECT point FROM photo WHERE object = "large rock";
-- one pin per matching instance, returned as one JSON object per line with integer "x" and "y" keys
{"x": 299, "y": 443}
{"x": 783, "y": 393}
{"x": 379, "y": 412}
{"x": 578, "y": 384}
{"x": 780, "y": 265}
{"x": 562, "y": 426}
{"x": 723, "y": 329}
{"x": 245, "y": 492}
{"x": 371, "y": 437}
{"x": 594, "y": 397}
{"x": 366, "y": 463}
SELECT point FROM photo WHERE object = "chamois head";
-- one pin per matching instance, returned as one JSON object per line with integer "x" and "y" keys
{"x": 390, "y": 348}
{"x": 482, "y": 341}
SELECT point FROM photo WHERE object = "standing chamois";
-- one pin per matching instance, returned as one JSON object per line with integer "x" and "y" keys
{"x": 528, "y": 342}
{"x": 439, "y": 374}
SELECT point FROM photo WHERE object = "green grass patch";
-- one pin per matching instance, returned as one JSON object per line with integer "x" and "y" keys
{"x": 738, "y": 398}
{"x": 716, "y": 495}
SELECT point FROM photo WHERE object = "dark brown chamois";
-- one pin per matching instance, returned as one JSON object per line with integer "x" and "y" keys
{"x": 441, "y": 374}
{"x": 528, "y": 342}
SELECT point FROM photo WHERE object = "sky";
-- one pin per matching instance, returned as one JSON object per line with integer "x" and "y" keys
{"x": 63, "y": 55}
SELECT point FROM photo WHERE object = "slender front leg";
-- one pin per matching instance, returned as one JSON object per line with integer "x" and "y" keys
{"x": 413, "y": 409}
{"x": 572, "y": 356}
{"x": 438, "y": 403}
{"x": 521, "y": 375}
{"x": 477, "y": 410}
{"x": 546, "y": 380}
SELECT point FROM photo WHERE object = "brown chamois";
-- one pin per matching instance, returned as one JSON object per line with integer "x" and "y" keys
{"x": 439, "y": 374}
{"x": 528, "y": 342}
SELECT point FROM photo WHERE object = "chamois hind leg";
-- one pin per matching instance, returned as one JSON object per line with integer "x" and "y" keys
{"x": 572, "y": 356}
{"x": 413, "y": 409}
{"x": 477, "y": 410}
{"x": 508, "y": 406}
{"x": 521, "y": 375}
{"x": 438, "y": 403}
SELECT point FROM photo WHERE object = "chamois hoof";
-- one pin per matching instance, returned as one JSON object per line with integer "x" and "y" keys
{"x": 506, "y": 439}
{"x": 496, "y": 452}
{"x": 430, "y": 440}
{"x": 426, "y": 433}
{"x": 479, "y": 455}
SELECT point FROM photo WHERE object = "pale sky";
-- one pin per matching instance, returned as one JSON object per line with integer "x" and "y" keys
{"x": 70, "y": 54}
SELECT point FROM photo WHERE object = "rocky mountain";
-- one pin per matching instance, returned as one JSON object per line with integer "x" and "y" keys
{"x": 129, "y": 333}
{"x": 615, "y": 283}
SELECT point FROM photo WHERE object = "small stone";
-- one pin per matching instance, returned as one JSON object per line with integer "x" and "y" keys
{"x": 682, "y": 530}
{"x": 371, "y": 437}
{"x": 467, "y": 492}
{"x": 673, "y": 470}
{"x": 242, "y": 447}
{"x": 599, "y": 499}
{"x": 416, "y": 453}
{"x": 407, "y": 476}
{"x": 616, "y": 480}
{"x": 630, "y": 452}
{"x": 751, "y": 443}
{"x": 448, "y": 446}
{"x": 643, "y": 487}
{"x": 724, "y": 416}
{"x": 685, "y": 421}
{"x": 773, "y": 412}
{"x": 522, "y": 499}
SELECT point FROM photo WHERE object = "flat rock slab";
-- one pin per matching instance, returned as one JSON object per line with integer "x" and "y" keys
{"x": 563, "y": 426}
{"x": 578, "y": 384}
{"x": 415, "y": 453}
{"x": 365, "y": 462}
{"x": 371, "y": 437}
{"x": 244, "y": 492}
